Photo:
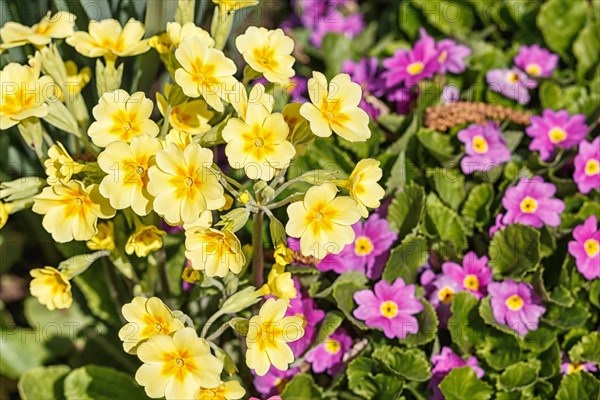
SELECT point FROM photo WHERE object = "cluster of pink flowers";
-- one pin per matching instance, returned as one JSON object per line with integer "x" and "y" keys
{"x": 485, "y": 148}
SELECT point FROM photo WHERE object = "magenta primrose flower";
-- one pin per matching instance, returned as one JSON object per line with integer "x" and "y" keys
{"x": 451, "y": 56}
{"x": 586, "y": 248}
{"x": 367, "y": 74}
{"x": 474, "y": 275}
{"x": 273, "y": 380}
{"x": 516, "y": 305}
{"x": 389, "y": 307}
{"x": 555, "y": 129}
{"x": 485, "y": 147}
{"x": 445, "y": 287}
{"x": 512, "y": 83}
{"x": 567, "y": 367}
{"x": 531, "y": 203}
{"x": 328, "y": 355}
{"x": 536, "y": 61}
{"x": 498, "y": 224}
{"x": 443, "y": 363}
{"x": 412, "y": 66}
{"x": 587, "y": 166}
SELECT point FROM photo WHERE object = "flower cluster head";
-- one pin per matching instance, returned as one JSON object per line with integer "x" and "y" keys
{"x": 531, "y": 203}
{"x": 512, "y": 83}
{"x": 556, "y": 129}
{"x": 390, "y": 307}
{"x": 586, "y": 248}
{"x": 516, "y": 305}
{"x": 328, "y": 355}
{"x": 52, "y": 26}
{"x": 567, "y": 367}
{"x": 51, "y": 287}
{"x": 587, "y": 166}
{"x": 536, "y": 61}
{"x": 473, "y": 276}
{"x": 485, "y": 147}
{"x": 215, "y": 252}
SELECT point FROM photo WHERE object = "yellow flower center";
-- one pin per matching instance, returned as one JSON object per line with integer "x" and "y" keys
{"x": 415, "y": 68}
{"x": 529, "y": 205}
{"x": 15, "y": 101}
{"x": 259, "y": 142}
{"x": 330, "y": 109}
{"x": 480, "y": 145}
{"x": 78, "y": 201}
{"x": 189, "y": 182}
{"x": 514, "y": 302}
{"x": 203, "y": 74}
{"x": 533, "y": 69}
{"x": 158, "y": 327}
{"x": 179, "y": 362}
{"x": 574, "y": 367}
{"x": 557, "y": 135}
{"x": 591, "y": 247}
{"x": 127, "y": 126}
{"x": 319, "y": 217}
{"x": 443, "y": 56}
{"x": 265, "y": 57}
{"x": 592, "y": 167}
{"x": 140, "y": 170}
{"x": 445, "y": 295}
{"x": 388, "y": 309}
{"x": 363, "y": 246}
{"x": 471, "y": 282}
{"x": 512, "y": 77}
{"x": 332, "y": 346}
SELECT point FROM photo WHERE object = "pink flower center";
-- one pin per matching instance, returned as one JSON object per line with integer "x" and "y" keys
{"x": 415, "y": 68}
{"x": 592, "y": 247}
{"x": 332, "y": 346}
{"x": 471, "y": 282}
{"x": 363, "y": 246}
{"x": 480, "y": 145}
{"x": 514, "y": 302}
{"x": 592, "y": 167}
{"x": 533, "y": 69}
{"x": 529, "y": 205}
{"x": 388, "y": 309}
{"x": 557, "y": 135}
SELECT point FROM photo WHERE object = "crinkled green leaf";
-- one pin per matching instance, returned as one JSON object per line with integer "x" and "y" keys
{"x": 410, "y": 364}
{"x": 463, "y": 384}
{"x": 43, "y": 383}
{"x": 581, "y": 386}
{"x": 476, "y": 209}
{"x": 406, "y": 210}
{"x": 302, "y": 387}
{"x": 500, "y": 350}
{"x": 405, "y": 259}
{"x": 445, "y": 223}
{"x": 449, "y": 185}
{"x": 343, "y": 290}
{"x": 428, "y": 327}
{"x": 332, "y": 321}
{"x": 587, "y": 350}
{"x": 436, "y": 143}
{"x": 360, "y": 372}
{"x": 93, "y": 382}
{"x": 466, "y": 327}
{"x": 587, "y": 45}
{"x": 560, "y": 21}
{"x": 519, "y": 376}
{"x": 514, "y": 251}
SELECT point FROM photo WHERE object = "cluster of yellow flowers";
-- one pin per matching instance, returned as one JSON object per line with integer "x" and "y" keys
{"x": 148, "y": 172}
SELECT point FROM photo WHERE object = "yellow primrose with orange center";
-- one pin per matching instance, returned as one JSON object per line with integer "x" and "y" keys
{"x": 121, "y": 117}
{"x": 146, "y": 318}
{"x": 144, "y": 240}
{"x": 322, "y": 221}
{"x": 51, "y": 287}
{"x": 191, "y": 117}
{"x": 104, "y": 239}
{"x": 268, "y": 52}
{"x": 364, "y": 187}
{"x": 60, "y": 167}
{"x": 230, "y": 390}
{"x": 281, "y": 284}
{"x": 71, "y": 211}
{"x": 127, "y": 164}
{"x": 212, "y": 251}
{"x": 239, "y": 98}
{"x": 57, "y": 26}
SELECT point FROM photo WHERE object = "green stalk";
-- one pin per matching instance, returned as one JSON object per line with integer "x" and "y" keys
{"x": 257, "y": 249}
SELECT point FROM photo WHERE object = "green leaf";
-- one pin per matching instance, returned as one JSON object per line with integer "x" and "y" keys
{"x": 519, "y": 376}
{"x": 343, "y": 290}
{"x": 588, "y": 349}
{"x": 409, "y": 364}
{"x": 514, "y": 251}
{"x": 406, "y": 210}
{"x": 405, "y": 259}
{"x": 21, "y": 350}
{"x": 43, "y": 383}
{"x": 476, "y": 210}
{"x": 302, "y": 387}
{"x": 445, "y": 223}
{"x": 93, "y": 382}
{"x": 428, "y": 327}
{"x": 466, "y": 327}
{"x": 449, "y": 185}
{"x": 436, "y": 143}
{"x": 463, "y": 384}
{"x": 332, "y": 321}
{"x": 539, "y": 340}
{"x": 485, "y": 311}
{"x": 360, "y": 372}
{"x": 594, "y": 295}
{"x": 580, "y": 386}
{"x": 450, "y": 17}
{"x": 336, "y": 48}
{"x": 560, "y": 21}
{"x": 551, "y": 95}
{"x": 587, "y": 45}
{"x": 500, "y": 350}
{"x": 566, "y": 317}
{"x": 551, "y": 360}
{"x": 92, "y": 284}
{"x": 388, "y": 387}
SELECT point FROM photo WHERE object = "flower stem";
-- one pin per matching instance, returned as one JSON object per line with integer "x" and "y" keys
{"x": 257, "y": 248}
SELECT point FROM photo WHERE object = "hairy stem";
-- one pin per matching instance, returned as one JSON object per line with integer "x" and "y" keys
{"x": 257, "y": 248}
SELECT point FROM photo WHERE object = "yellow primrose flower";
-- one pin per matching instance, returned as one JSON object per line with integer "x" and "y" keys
{"x": 204, "y": 72}
{"x": 60, "y": 167}
{"x": 259, "y": 143}
{"x": 104, "y": 239}
{"x": 176, "y": 366}
{"x": 191, "y": 117}
{"x": 230, "y": 390}
{"x": 231, "y": 5}
{"x": 144, "y": 240}
{"x": 335, "y": 108}
{"x": 240, "y": 99}
{"x": 146, "y": 318}
{"x": 57, "y": 26}
{"x": 5, "y": 209}
{"x": 364, "y": 187}
{"x": 179, "y": 138}
{"x": 23, "y": 94}
{"x": 178, "y": 32}
{"x": 76, "y": 78}
{"x": 322, "y": 221}
{"x": 108, "y": 39}
{"x": 300, "y": 135}
{"x": 283, "y": 255}
{"x": 214, "y": 252}
{"x": 183, "y": 185}
{"x": 268, "y": 335}
{"x": 268, "y": 52}
{"x": 126, "y": 164}
{"x": 51, "y": 287}
{"x": 281, "y": 284}
{"x": 120, "y": 116}
{"x": 71, "y": 211}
